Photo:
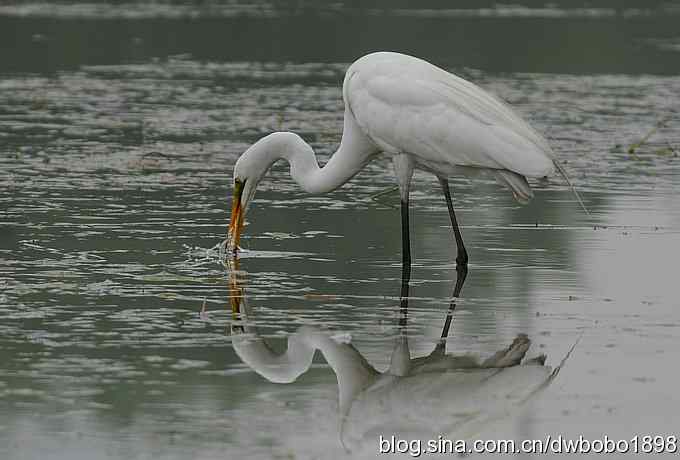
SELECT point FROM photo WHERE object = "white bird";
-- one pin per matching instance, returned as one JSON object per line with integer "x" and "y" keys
{"x": 422, "y": 117}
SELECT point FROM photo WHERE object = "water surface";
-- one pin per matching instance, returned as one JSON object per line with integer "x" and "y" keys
{"x": 118, "y": 134}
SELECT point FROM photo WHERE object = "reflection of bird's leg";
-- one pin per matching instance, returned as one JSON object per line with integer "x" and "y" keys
{"x": 461, "y": 260}
{"x": 400, "y": 363}
{"x": 403, "y": 169}
{"x": 462, "y": 257}
{"x": 405, "y": 261}
{"x": 462, "y": 271}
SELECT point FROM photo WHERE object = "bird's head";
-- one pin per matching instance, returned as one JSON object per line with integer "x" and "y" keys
{"x": 250, "y": 168}
{"x": 247, "y": 174}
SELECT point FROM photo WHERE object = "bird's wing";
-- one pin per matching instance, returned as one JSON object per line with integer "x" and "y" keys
{"x": 408, "y": 105}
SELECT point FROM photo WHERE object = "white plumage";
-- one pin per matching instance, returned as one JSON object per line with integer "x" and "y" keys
{"x": 421, "y": 116}
{"x": 405, "y": 104}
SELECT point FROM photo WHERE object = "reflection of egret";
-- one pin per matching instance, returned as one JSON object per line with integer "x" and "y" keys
{"x": 438, "y": 393}
{"x": 422, "y": 117}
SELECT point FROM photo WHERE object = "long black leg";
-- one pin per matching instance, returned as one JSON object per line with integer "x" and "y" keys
{"x": 462, "y": 257}
{"x": 400, "y": 362}
{"x": 405, "y": 261}
{"x": 461, "y": 260}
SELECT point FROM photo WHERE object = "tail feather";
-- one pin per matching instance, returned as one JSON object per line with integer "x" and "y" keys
{"x": 563, "y": 173}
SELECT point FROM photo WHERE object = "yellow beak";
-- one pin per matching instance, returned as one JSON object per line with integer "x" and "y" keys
{"x": 236, "y": 222}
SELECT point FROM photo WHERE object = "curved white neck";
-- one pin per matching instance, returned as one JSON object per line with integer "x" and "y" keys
{"x": 354, "y": 152}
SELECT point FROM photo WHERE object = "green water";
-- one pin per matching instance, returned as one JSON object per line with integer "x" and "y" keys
{"x": 119, "y": 128}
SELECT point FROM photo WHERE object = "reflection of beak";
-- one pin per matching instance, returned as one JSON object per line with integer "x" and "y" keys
{"x": 235, "y": 292}
{"x": 236, "y": 222}
{"x": 235, "y": 298}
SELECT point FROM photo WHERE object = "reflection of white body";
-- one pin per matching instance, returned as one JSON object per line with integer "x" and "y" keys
{"x": 413, "y": 399}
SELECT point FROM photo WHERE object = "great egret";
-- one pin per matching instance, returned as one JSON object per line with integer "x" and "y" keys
{"x": 422, "y": 117}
